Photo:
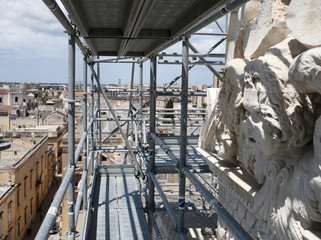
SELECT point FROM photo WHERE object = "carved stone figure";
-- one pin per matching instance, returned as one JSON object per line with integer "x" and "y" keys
{"x": 208, "y": 127}
{"x": 268, "y": 118}
{"x": 278, "y": 130}
{"x": 221, "y": 128}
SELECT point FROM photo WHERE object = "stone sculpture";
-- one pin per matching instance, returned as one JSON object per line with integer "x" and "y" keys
{"x": 268, "y": 117}
{"x": 304, "y": 21}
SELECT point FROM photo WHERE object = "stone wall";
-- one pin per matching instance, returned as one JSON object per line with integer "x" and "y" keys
{"x": 263, "y": 142}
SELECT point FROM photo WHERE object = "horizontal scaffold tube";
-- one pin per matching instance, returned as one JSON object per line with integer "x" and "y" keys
{"x": 62, "y": 188}
{"x": 228, "y": 7}
{"x": 58, "y": 13}
{"x": 235, "y": 228}
{"x": 82, "y": 188}
{"x": 192, "y": 62}
{"x": 111, "y": 119}
{"x": 51, "y": 215}
{"x": 214, "y": 55}
{"x": 87, "y": 214}
{"x": 165, "y": 148}
{"x": 164, "y": 199}
{"x": 116, "y": 120}
{"x": 176, "y": 126}
{"x": 178, "y": 119}
{"x": 178, "y": 93}
{"x": 166, "y": 203}
{"x": 175, "y": 113}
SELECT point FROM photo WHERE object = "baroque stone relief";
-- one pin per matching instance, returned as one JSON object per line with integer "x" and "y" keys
{"x": 268, "y": 118}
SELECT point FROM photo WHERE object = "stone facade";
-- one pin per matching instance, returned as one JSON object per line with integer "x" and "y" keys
{"x": 4, "y": 100}
{"x": 267, "y": 118}
{"x": 27, "y": 180}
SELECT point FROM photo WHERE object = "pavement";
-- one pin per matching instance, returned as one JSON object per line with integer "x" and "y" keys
{"x": 40, "y": 215}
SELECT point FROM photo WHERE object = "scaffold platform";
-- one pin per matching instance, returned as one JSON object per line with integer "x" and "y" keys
{"x": 135, "y": 32}
{"x": 117, "y": 207}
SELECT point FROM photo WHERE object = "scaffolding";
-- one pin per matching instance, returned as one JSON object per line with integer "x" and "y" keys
{"x": 150, "y": 153}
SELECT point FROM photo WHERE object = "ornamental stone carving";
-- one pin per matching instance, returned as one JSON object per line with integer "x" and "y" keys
{"x": 268, "y": 118}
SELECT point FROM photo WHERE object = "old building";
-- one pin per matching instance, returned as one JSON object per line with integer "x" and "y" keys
{"x": 3, "y": 97}
{"x": 25, "y": 181}
{"x": 7, "y": 211}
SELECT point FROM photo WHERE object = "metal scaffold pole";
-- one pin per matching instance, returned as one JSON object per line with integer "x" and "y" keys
{"x": 85, "y": 147}
{"x": 99, "y": 113}
{"x": 97, "y": 123}
{"x": 92, "y": 112}
{"x": 140, "y": 109}
{"x": 152, "y": 130}
{"x": 183, "y": 140}
{"x": 130, "y": 112}
{"x": 71, "y": 134}
{"x": 116, "y": 120}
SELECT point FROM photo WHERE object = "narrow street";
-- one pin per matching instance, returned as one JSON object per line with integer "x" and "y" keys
{"x": 41, "y": 214}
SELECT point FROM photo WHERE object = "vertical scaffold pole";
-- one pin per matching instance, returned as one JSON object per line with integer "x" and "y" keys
{"x": 183, "y": 132}
{"x": 92, "y": 112}
{"x": 85, "y": 147}
{"x": 152, "y": 129}
{"x": 97, "y": 123}
{"x": 140, "y": 109}
{"x": 130, "y": 113}
{"x": 71, "y": 134}
{"x": 99, "y": 113}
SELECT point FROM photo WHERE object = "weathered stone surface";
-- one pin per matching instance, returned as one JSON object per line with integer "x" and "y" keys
{"x": 223, "y": 134}
{"x": 249, "y": 11}
{"x": 250, "y": 219}
{"x": 235, "y": 26}
{"x": 304, "y": 20}
{"x": 305, "y": 71}
{"x": 238, "y": 22}
{"x": 207, "y": 129}
{"x": 268, "y": 120}
{"x": 267, "y": 29}
{"x": 241, "y": 210}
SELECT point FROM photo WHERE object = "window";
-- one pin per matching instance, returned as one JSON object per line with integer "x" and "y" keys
{"x": 37, "y": 171}
{"x": 0, "y": 99}
{"x": 26, "y": 215}
{"x": 41, "y": 163}
{"x": 16, "y": 99}
{"x": 25, "y": 186}
{"x": 15, "y": 153}
{"x": 18, "y": 194}
{"x": 19, "y": 228}
{"x": 1, "y": 224}
{"x": 31, "y": 178}
{"x": 9, "y": 214}
{"x": 31, "y": 206}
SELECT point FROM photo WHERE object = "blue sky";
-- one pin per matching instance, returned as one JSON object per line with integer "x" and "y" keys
{"x": 34, "y": 49}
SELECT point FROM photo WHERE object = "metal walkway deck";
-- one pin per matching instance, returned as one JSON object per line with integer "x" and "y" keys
{"x": 194, "y": 160}
{"x": 117, "y": 207}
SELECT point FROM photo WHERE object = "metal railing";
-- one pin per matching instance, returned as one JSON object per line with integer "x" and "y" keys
{"x": 141, "y": 151}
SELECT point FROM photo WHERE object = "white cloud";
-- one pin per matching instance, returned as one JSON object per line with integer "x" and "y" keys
{"x": 204, "y": 44}
{"x": 30, "y": 37}
{"x": 216, "y": 27}
{"x": 29, "y": 30}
